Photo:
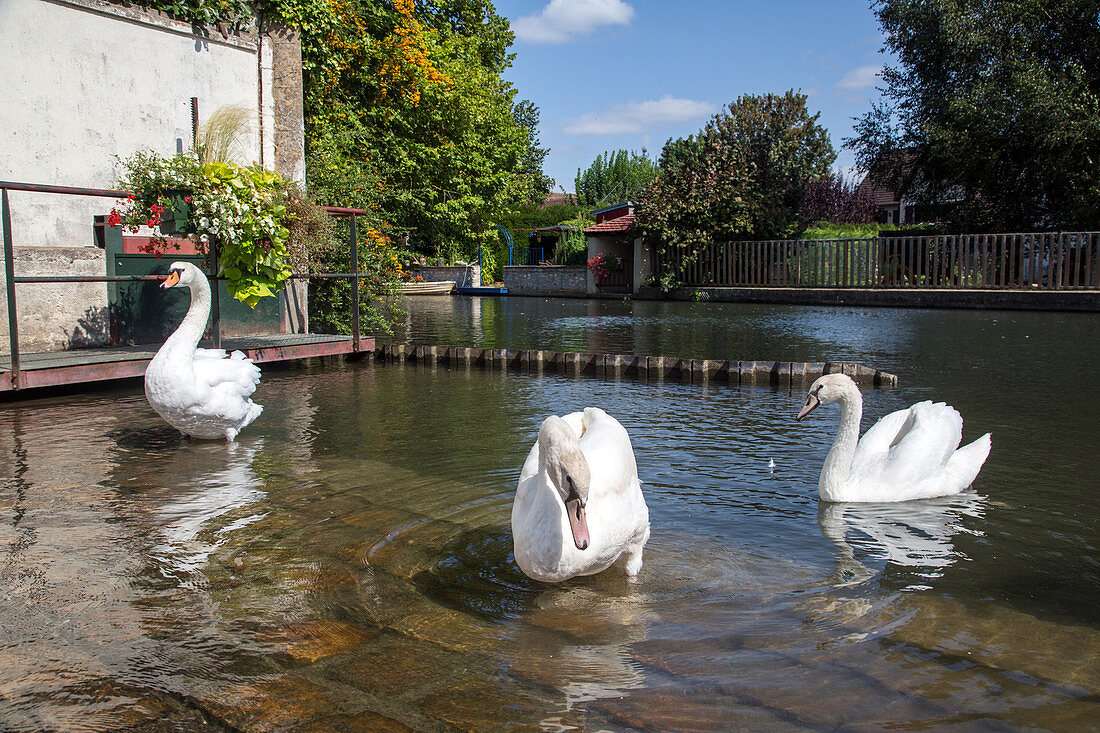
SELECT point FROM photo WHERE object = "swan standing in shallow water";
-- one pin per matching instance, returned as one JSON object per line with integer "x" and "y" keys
{"x": 579, "y": 503}
{"x": 909, "y": 454}
{"x": 200, "y": 392}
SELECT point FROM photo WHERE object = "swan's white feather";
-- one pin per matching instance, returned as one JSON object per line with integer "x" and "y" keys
{"x": 204, "y": 393}
{"x": 235, "y": 372}
{"x": 617, "y": 515}
{"x": 909, "y": 454}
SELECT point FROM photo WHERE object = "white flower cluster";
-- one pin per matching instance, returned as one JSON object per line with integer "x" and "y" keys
{"x": 234, "y": 215}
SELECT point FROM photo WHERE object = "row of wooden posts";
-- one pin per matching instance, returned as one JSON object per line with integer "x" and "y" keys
{"x": 1049, "y": 260}
{"x": 763, "y": 373}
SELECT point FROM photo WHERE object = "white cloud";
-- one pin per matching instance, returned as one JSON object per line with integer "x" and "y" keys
{"x": 560, "y": 20}
{"x": 636, "y": 117}
{"x": 861, "y": 78}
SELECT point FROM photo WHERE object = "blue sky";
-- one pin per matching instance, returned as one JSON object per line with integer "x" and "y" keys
{"x": 627, "y": 74}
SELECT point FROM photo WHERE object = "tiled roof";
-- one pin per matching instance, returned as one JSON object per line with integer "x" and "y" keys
{"x": 621, "y": 224}
{"x": 555, "y": 199}
{"x": 883, "y": 196}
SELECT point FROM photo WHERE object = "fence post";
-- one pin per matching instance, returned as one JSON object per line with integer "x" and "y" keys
{"x": 215, "y": 297}
{"x": 9, "y": 282}
{"x": 354, "y": 285}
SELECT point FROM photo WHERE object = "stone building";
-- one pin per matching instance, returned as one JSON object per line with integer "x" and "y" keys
{"x": 86, "y": 82}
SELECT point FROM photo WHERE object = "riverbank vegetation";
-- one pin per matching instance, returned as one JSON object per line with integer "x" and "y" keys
{"x": 615, "y": 176}
{"x": 744, "y": 176}
{"x": 991, "y": 117}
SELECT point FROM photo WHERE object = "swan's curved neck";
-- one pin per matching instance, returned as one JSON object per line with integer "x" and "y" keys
{"x": 838, "y": 464}
{"x": 193, "y": 325}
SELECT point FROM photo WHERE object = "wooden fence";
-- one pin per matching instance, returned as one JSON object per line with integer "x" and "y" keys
{"x": 1051, "y": 261}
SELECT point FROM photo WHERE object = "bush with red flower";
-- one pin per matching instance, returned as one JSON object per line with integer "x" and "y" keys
{"x": 603, "y": 265}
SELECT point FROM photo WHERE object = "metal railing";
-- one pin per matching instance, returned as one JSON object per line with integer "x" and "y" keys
{"x": 1046, "y": 260}
{"x": 531, "y": 256}
{"x": 11, "y": 279}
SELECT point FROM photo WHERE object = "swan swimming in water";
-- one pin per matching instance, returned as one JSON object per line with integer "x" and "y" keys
{"x": 203, "y": 393}
{"x": 909, "y": 454}
{"x": 579, "y": 504}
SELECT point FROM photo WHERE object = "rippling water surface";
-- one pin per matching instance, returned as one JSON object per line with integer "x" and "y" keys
{"x": 346, "y": 565}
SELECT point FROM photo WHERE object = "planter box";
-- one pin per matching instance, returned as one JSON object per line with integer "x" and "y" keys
{"x": 176, "y": 218}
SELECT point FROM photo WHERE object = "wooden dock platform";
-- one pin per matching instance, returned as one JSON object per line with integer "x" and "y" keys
{"x": 58, "y": 368}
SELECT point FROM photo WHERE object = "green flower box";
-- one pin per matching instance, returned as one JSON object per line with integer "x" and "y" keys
{"x": 176, "y": 218}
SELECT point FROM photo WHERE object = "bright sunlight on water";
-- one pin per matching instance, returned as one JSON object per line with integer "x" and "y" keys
{"x": 347, "y": 564}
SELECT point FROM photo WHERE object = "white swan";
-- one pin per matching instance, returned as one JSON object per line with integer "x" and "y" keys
{"x": 579, "y": 503}
{"x": 200, "y": 392}
{"x": 909, "y": 454}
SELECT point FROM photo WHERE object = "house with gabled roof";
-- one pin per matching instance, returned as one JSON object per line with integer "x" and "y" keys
{"x": 618, "y": 260}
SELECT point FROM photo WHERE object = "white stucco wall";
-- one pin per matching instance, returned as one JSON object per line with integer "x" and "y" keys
{"x": 84, "y": 80}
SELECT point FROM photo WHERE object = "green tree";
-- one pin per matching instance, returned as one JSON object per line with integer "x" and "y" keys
{"x": 742, "y": 177}
{"x": 538, "y": 183}
{"x": 407, "y": 113}
{"x": 410, "y": 100}
{"x": 615, "y": 176}
{"x": 992, "y": 113}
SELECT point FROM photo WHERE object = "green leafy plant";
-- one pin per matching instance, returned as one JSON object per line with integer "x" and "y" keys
{"x": 407, "y": 113}
{"x": 990, "y": 117}
{"x": 666, "y": 283}
{"x": 245, "y": 209}
{"x": 742, "y": 177}
{"x": 379, "y": 258}
{"x": 616, "y": 176}
{"x": 572, "y": 248}
{"x": 242, "y": 206}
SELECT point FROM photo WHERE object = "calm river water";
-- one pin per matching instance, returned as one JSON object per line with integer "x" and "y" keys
{"x": 346, "y": 565}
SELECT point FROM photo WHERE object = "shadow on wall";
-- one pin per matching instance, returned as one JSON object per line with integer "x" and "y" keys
{"x": 92, "y": 329}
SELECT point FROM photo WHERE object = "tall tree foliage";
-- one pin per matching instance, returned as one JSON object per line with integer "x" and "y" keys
{"x": 406, "y": 111}
{"x": 538, "y": 183}
{"x": 742, "y": 177}
{"x": 993, "y": 111}
{"x": 615, "y": 176}
{"x": 838, "y": 200}
{"x": 411, "y": 99}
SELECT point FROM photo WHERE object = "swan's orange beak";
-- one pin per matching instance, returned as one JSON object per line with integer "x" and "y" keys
{"x": 172, "y": 279}
{"x": 809, "y": 406}
{"x": 577, "y": 523}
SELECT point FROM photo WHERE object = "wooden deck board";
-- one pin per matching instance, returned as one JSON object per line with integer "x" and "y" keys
{"x": 54, "y": 368}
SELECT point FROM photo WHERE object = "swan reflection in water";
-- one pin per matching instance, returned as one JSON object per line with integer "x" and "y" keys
{"x": 594, "y": 658}
{"x": 917, "y": 534}
{"x": 203, "y": 483}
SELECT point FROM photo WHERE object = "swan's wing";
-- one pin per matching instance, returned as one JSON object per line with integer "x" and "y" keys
{"x": 965, "y": 463}
{"x": 575, "y": 420}
{"x": 884, "y": 434}
{"x": 531, "y": 465}
{"x": 236, "y": 374}
{"x": 212, "y": 353}
{"x": 606, "y": 446}
{"x": 912, "y": 445}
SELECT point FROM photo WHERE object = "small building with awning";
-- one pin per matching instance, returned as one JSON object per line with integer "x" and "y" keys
{"x": 618, "y": 261}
